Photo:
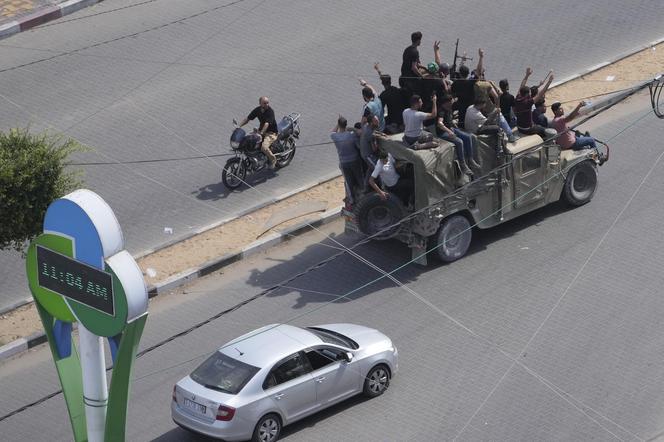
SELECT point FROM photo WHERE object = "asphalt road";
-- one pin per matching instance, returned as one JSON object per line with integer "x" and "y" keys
{"x": 143, "y": 83}
{"x": 549, "y": 329}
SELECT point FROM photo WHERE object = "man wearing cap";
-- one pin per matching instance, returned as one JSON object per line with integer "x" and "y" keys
{"x": 567, "y": 138}
{"x": 443, "y": 68}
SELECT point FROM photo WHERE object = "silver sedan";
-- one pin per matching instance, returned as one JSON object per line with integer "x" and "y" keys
{"x": 254, "y": 385}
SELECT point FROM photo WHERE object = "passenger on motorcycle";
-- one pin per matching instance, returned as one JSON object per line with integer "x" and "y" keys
{"x": 267, "y": 128}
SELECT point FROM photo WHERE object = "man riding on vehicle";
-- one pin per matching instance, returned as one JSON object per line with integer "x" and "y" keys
{"x": 267, "y": 128}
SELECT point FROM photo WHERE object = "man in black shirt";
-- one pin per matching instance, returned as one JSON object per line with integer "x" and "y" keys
{"x": 463, "y": 89}
{"x": 411, "y": 68}
{"x": 396, "y": 100}
{"x": 267, "y": 127}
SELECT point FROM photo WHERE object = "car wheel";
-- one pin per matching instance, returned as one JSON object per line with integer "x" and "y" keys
{"x": 378, "y": 217}
{"x": 453, "y": 238}
{"x": 580, "y": 184}
{"x": 376, "y": 381}
{"x": 267, "y": 429}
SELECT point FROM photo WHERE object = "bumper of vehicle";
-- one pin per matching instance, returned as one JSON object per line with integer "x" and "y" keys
{"x": 235, "y": 430}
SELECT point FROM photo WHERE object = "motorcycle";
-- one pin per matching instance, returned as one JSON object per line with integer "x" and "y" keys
{"x": 248, "y": 155}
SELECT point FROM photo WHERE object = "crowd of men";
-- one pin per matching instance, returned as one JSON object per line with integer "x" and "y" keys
{"x": 431, "y": 96}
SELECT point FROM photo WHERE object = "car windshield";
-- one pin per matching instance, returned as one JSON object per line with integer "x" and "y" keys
{"x": 332, "y": 337}
{"x": 222, "y": 373}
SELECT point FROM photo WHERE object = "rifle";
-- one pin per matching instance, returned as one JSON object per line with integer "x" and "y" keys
{"x": 454, "y": 73}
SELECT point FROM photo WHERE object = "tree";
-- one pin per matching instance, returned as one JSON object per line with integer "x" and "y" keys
{"x": 33, "y": 173}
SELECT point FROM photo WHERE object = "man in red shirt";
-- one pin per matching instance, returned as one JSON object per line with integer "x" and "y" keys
{"x": 567, "y": 139}
{"x": 523, "y": 105}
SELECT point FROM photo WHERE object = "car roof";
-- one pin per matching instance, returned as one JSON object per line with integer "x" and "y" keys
{"x": 267, "y": 345}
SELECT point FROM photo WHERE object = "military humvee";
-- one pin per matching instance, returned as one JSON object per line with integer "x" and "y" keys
{"x": 515, "y": 178}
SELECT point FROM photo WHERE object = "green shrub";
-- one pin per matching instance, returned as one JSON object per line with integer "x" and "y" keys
{"x": 33, "y": 173}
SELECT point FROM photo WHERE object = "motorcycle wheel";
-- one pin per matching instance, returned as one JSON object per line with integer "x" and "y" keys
{"x": 233, "y": 173}
{"x": 284, "y": 161}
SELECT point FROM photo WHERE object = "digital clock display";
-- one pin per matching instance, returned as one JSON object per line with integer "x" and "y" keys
{"x": 75, "y": 280}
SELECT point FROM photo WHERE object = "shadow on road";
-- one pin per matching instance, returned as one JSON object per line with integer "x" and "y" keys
{"x": 217, "y": 191}
{"x": 347, "y": 278}
{"x": 180, "y": 435}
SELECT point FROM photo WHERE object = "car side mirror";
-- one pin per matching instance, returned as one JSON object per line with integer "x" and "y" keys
{"x": 348, "y": 356}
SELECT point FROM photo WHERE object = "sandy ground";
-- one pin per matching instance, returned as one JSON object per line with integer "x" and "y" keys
{"x": 237, "y": 234}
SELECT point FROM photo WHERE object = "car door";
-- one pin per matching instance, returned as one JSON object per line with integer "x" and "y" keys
{"x": 335, "y": 378}
{"x": 291, "y": 387}
{"x": 529, "y": 174}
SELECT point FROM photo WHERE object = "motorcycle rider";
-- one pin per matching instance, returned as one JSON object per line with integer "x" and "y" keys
{"x": 267, "y": 128}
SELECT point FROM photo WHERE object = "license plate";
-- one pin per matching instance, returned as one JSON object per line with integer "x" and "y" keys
{"x": 195, "y": 406}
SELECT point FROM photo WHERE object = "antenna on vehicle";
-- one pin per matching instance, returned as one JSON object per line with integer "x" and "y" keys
{"x": 236, "y": 349}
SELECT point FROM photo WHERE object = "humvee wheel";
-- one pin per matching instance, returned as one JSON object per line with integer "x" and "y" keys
{"x": 453, "y": 238}
{"x": 580, "y": 184}
{"x": 375, "y": 215}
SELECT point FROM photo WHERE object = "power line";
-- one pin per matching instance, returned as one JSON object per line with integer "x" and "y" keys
{"x": 297, "y": 276}
{"x": 154, "y": 28}
{"x": 60, "y": 22}
{"x": 161, "y": 160}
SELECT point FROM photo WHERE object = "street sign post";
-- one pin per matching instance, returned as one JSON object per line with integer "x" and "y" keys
{"x": 79, "y": 272}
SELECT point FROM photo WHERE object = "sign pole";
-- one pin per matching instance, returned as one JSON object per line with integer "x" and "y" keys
{"x": 79, "y": 272}
{"x": 95, "y": 390}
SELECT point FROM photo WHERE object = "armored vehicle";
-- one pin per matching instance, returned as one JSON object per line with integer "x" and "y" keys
{"x": 515, "y": 178}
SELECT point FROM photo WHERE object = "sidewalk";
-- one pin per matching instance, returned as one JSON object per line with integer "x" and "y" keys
{"x": 20, "y": 15}
{"x": 211, "y": 248}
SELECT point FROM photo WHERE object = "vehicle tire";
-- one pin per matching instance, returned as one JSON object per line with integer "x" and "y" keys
{"x": 377, "y": 381}
{"x": 285, "y": 161}
{"x": 453, "y": 238}
{"x": 267, "y": 429}
{"x": 375, "y": 215}
{"x": 580, "y": 184}
{"x": 234, "y": 173}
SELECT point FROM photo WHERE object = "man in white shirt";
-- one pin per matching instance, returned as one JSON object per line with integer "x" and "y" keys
{"x": 477, "y": 123}
{"x": 413, "y": 118}
{"x": 386, "y": 170}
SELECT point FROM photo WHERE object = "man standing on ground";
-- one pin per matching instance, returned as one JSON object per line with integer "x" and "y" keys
{"x": 349, "y": 159}
{"x": 567, "y": 138}
{"x": 267, "y": 127}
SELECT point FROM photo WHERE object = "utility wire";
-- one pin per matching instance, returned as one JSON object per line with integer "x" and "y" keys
{"x": 287, "y": 281}
{"x": 323, "y": 143}
{"x": 161, "y": 160}
{"x": 154, "y": 28}
{"x": 60, "y": 22}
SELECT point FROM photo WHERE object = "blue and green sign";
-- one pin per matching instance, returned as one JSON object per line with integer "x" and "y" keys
{"x": 79, "y": 272}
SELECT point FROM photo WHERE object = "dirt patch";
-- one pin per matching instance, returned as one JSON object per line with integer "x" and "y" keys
{"x": 235, "y": 235}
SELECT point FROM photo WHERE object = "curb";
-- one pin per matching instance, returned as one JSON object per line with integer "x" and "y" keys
{"x": 325, "y": 178}
{"x": 23, "y": 344}
{"x": 615, "y": 59}
{"x": 43, "y": 15}
{"x": 247, "y": 211}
